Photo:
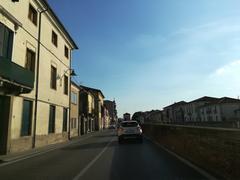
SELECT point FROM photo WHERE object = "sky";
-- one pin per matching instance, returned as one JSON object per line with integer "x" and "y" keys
{"x": 147, "y": 54}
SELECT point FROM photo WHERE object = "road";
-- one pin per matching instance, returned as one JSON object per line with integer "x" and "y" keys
{"x": 100, "y": 157}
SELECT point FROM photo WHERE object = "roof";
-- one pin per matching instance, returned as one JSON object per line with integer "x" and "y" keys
{"x": 176, "y": 104}
{"x": 50, "y": 10}
{"x": 204, "y": 99}
{"x": 92, "y": 90}
{"x": 222, "y": 100}
{"x": 75, "y": 84}
{"x": 228, "y": 100}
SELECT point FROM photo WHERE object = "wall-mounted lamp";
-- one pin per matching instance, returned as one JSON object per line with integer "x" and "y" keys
{"x": 72, "y": 73}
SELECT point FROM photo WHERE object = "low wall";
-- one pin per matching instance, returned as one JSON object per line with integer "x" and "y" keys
{"x": 43, "y": 140}
{"x": 216, "y": 150}
{"x": 25, "y": 143}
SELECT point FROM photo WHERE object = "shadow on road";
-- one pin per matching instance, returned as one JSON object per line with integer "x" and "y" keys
{"x": 132, "y": 160}
{"x": 104, "y": 136}
{"x": 89, "y": 146}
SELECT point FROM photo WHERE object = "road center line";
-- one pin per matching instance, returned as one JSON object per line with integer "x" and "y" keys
{"x": 89, "y": 165}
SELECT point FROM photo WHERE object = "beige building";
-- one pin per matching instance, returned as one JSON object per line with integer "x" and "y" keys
{"x": 98, "y": 107}
{"x": 74, "y": 113}
{"x": 35, "y": 61}
{"x": 106, "y": 118}
{"x": 174, "y": 113}
{"x": 224, "y": 110}
{"x": 111, "y": 107}
{"x": 86, "y": 110}
{"x": 192, "y": 111}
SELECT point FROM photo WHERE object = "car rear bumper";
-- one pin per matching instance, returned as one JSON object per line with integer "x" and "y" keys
{"x": 130, "y": 136}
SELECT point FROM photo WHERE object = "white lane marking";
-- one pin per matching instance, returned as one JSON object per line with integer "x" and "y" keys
{"x": 89, "y": 165}
{"x": 40, "y": 153}
{"x": 188, "y": 163}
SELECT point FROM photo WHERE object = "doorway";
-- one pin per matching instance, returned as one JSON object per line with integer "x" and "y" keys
{"x": 4, "y": 122}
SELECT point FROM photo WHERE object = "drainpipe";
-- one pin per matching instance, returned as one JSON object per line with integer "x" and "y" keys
{"x": 69, "y": 93}
{"x": 37, "y": 78}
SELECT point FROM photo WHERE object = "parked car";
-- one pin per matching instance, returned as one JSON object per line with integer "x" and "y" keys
{"x": 129, "y": 130}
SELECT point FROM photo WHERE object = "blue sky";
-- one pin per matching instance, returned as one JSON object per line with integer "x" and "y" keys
{"x": 148, "y": 54}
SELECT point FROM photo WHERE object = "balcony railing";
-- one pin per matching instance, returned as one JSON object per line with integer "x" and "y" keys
{"x": 16, "y": 74}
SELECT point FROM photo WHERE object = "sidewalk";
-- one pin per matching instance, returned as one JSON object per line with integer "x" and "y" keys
{"x": 42, "y": 150}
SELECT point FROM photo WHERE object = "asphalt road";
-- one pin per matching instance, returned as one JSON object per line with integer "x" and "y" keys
{"x": 100, "y": 157}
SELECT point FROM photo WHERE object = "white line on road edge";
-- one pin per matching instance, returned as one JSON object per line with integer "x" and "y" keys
{"x": 201, "y": 171}
{"x": 42, "y": 152}
{"x": 84, "y": 170}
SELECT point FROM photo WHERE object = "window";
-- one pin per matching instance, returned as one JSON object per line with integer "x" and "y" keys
{"x": 54, "y": 38}
{"x": 6, "y": 42}
{"x": 32, "y": 14}
{"x": 53, "y": 77}
{"x": 65, "y": 85}
{"x": 65, "y": 112}
{"x": 30, "y": 61}
{"x": 51, "y": 125}
{"x": 26, "y": 118}
{"x": 73, "y": 123}
{"x": 66, "y": 52}
{"x": 74, "y": 97}
{"x": 129, "y": 124}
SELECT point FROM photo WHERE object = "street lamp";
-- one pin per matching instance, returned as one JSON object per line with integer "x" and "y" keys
{"x": 72, "y": 73}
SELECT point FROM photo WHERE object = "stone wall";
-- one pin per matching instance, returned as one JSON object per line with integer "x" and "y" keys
{"x": 43, "y": 140}
{"x": 25, "y": 143}
{"x": 20, "y": 144}
{"x": 216, "y": 150}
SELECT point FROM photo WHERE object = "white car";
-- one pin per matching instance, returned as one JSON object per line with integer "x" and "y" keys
{"x": 129, "y": 130}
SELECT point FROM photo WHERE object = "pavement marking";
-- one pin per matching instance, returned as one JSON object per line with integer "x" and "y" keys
{"x": 199, "y": 170}
{"x": 91, "y": 163}
{"x": 14, "y": 160}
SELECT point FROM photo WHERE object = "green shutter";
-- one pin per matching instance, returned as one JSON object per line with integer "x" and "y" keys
{"x": 26, "y": 118}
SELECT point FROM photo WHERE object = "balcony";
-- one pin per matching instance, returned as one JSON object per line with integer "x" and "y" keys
{"x": 15, "y": 79}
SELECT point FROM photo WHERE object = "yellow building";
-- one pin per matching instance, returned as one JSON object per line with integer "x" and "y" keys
{"x": 98, "y": 106}
{"x": 35, "y": 61}
{"x": 74, "y": 114}
{"x": 86, "y": 110}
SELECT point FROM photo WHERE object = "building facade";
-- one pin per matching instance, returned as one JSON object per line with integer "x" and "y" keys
{"x": 154, "y": 116}
{"x": 111, "y": 107}
{"x": 106, "y": 118}
{"x": 127, "y": 116}
{"x": 86, "y": 110}
{"x": 75, "y": 124}
{"x": 224, "y": 110}
{"x": 98, "y": 106}
{"x": 174, "y": 113}
{"x": 35, "y": 61}
{"x": 192, "y": 109}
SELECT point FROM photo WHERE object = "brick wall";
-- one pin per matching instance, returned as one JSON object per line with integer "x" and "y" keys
{"x": 216, "y": 150}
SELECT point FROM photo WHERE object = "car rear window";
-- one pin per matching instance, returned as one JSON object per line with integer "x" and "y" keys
{"x": 129, "y": 124}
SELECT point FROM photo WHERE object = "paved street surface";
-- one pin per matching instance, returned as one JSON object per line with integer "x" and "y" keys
{"x": 100, "y": 157}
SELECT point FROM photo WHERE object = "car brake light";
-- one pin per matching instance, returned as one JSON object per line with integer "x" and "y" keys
{"x": 139, "y": 129}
